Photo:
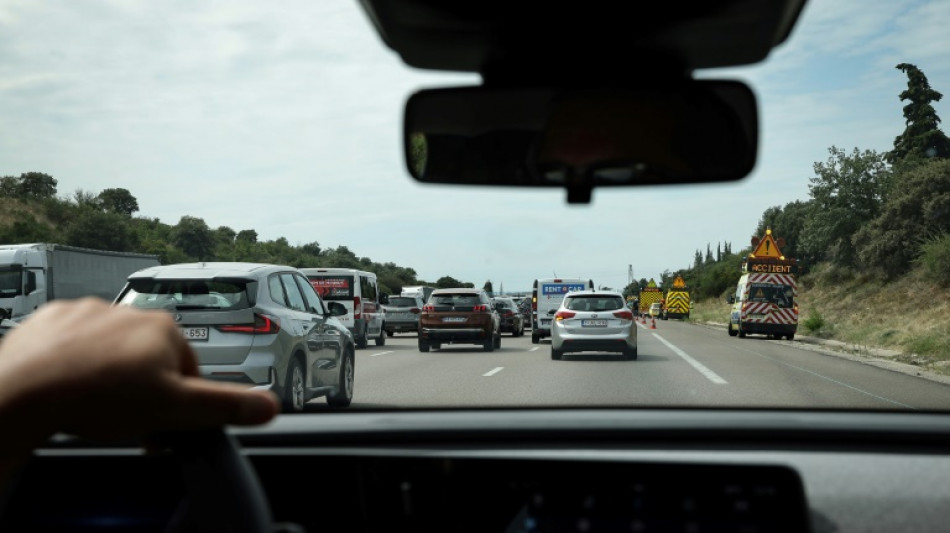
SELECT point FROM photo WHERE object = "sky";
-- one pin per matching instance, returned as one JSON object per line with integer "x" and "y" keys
{"x": 288, "y": 119}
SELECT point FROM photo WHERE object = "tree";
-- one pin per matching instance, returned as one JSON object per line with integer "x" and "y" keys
{"x": 488, "y": 288}
{"x": 918, "y": 209}
{"x": 922, "y": 138}
{"x": 9, "y": 187}
{"x": 37, "y": 185}
{"x": 709, "y": 256}
{"x": 787, "y": 222}
{"x": 118, "y": 201}
{"x": 447, "y": 282}
{"x": 100, "y": 231}
{"x": 847, "y": 191}
{"x": 698, "y": 259}
{"x": 194, "y": 237}
{"x": 247, "y": 236}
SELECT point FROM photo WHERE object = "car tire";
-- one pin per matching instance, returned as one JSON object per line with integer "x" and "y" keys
{"x": 790, "y": 336}
{"x": 556, "y": 354}
{"x": 361, "y": 340}
{"x": 630, "y": 354}
{"x": 294, "y": 387}
{"x": 489, "y": 344}
{"x": 535, "y": 337}
{"x": 344, "y": 387}
{"x": 741, "y": 331}
{"x": 497, "y": 341}
{"x": 423, "y": 345}
{"x": 390, "y": 333}
{"x": 381, "y": 340}
{"x": 436, "y": 346}
{"x": 732, "y": 332}
{"x": 521, "y": 331}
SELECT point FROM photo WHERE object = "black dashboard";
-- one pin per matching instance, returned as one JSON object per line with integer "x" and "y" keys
{"x": 532, "y": 470}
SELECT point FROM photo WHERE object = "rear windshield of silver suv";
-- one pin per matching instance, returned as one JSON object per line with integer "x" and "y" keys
{"x": 184, "y": 294}
{"x": 593, "y": 302}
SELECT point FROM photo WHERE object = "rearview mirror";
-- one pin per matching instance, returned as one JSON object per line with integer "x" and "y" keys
{"x": 689, "y": 132}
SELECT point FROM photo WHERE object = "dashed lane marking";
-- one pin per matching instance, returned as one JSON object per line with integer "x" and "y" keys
{"x": 710, "y": 375}
{"x": 380, "y": 353}
{"x": 493, "y": 371}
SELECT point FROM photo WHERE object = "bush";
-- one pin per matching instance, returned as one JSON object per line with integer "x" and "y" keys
{"x": 935, "y": 258}
{"x": 814, "y": 322}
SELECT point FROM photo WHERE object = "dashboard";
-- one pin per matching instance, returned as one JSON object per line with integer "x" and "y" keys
{"x": 531, "y": 470}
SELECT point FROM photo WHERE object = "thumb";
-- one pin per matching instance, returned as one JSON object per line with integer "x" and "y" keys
{"x": 207, "y": 403}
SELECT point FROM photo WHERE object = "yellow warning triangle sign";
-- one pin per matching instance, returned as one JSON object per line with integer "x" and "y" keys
{"x": 767, "y": 247}
{"x": 651, "y": 284}
{"x": 678, "y": 283}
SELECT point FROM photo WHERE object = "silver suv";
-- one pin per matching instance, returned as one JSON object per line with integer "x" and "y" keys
{"x": 593, "y": 321}
{"x": 259, "y": 325}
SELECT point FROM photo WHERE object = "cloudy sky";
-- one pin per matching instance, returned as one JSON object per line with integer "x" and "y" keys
{"x": 287, "y": 120}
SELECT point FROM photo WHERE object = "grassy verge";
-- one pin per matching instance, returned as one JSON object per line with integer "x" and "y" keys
{"x": 910, "y": 315}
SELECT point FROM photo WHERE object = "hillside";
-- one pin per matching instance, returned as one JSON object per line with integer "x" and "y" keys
{"x": 910, "y": 315}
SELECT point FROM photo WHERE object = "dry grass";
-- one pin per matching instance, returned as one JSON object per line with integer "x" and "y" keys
{"x": 910, "y": 315}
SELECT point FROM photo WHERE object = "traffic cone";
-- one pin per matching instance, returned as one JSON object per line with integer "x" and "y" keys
{"x": 652, "y": 323}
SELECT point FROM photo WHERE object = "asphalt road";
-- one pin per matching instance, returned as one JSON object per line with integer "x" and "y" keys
{"x": 679, "y": 364}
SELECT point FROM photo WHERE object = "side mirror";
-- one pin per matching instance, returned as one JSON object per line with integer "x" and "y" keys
{"x": 30, "y": 283}
{"x": 731, "y": 299}
{"x": 337, "y": 309}
{"x": 552, "y": 311}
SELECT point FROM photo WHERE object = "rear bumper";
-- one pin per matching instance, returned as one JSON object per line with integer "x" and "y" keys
{"x": 769, "y": 329}
{"x": 402, "y": 325}
{"x": 594, "y": 345}
{"x": 259, "y": 370}
{"x": 467, "y": 335}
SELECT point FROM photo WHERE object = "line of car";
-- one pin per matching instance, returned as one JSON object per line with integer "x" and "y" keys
{"x": 296, "y": 331}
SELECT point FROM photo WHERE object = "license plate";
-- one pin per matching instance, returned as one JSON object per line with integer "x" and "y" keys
{"x": 593, "y": 323}
{"x": 195, "y": 334}
{"x": 454, "y": 319}
{"x": 545, "y": 322}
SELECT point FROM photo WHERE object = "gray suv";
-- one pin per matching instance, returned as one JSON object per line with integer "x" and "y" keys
{"x": 259, "y": 325}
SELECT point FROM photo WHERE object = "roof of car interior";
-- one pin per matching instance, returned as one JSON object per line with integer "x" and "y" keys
{"x": 621, "y": 35}
{"x": 207, "y": 270}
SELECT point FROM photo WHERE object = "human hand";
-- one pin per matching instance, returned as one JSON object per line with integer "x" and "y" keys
{"x": 98, "y": 371}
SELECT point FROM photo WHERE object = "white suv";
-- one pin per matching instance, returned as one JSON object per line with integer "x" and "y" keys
{"x": 593, "y": 321}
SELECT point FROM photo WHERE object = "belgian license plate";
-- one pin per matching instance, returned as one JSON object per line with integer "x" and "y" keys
{"x": 594, "y": 323}
{"x": 454, "y": 319}
{"x": 195, "y": 334}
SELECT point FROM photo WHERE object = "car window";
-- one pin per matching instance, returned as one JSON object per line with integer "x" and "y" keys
{"x": 314, "y": 303}
{"x": 401, "y": 301}
{"x": 332, "y": 288}
{"x": 277, "y": 292}
{"x": 180, "y": 294}
{"x": 294, "y": 297}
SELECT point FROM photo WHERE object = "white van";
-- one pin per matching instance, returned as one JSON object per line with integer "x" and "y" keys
{"x": 358, "y": 291}
{"x": 546, "y": 296}
{"x": 420, "y": 291}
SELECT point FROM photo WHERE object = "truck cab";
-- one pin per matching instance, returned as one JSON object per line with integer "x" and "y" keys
{"x": 22, "y": 281}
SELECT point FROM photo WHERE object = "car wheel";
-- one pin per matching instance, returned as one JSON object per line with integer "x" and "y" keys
{"x": 732, "y": 332}
{"x": 790, "y": 336}
{"x": 535, "y": 337}
{"x": 521, "y": 331}
{"x": 489, "y": 344}
{"x": 344, "y": 389}
{"x": 741, "y": 331}
{"x": 381, "y": 340}
{"x": 436, "y": 345}
{"x": 294, "y": 387}
{"x": 361, "y": 340}
{"x": 630, "y": 354}
{"x": 423, "y": 345}
{"x": 497, "y": 340}
{"x": 390, "y": 333}
{"x": 556, "y": 354}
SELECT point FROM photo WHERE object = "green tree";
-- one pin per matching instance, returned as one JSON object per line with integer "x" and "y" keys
{"x": 922, "y": 138}
{"x": 847, "y": 191}
{"x": 90, "y": 228}
{"x": 118, "y": 201}
{"x": 247, "y": 236}
{"x": 37, "y": 185}
{"x": 787, "y": 222}
{"x": 447, "y": 282}
{"x": 918, "y": 209}
{"x": 9, "y": 187}
{"x": 193, "y": 236}
{"x": 488, "y": 288}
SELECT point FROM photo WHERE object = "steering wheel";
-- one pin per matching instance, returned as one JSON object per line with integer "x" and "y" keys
{"x": 222, "y": 490}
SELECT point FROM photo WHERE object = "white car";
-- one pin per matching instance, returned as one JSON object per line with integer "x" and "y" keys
{"x": 593, "y": 321}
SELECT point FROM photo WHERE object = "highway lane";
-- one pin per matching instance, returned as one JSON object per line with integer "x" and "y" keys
{"x": 679, "y": 364}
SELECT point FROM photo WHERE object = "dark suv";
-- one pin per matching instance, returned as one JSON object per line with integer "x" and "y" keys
{"x": 459, "y": 316}
{"x": 510, "y": 315}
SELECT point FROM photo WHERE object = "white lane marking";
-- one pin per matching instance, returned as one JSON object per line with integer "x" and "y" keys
{"x": 533, "y": 349}
{"x": 380, "y": 353}
{"x": 710, "y": 375}
{"x": 835, "y": 381}
{"x": 493, "y": 371}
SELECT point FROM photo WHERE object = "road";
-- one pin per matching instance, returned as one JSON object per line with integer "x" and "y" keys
{"x": 679, "y": 364}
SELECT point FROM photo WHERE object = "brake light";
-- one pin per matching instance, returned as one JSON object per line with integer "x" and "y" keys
{"x": 480, "y": 308}
{"x": 357, "y": 308}
{"x": 428, "y": 308}
{"x": 414, "y": 310}
{"x": 623, "y": 315}
{"x": 262, "y": 325}
{"x": 561, "y": 315}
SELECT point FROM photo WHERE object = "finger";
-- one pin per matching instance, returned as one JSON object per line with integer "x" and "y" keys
{"x": 205, "y": 403}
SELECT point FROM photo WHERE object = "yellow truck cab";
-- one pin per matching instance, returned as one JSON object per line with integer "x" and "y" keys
{"x": 766, "y": 297}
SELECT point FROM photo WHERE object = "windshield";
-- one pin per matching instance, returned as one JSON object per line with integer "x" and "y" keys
{"x": 11, "y": 283}
{"x": 242, "y": 131}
